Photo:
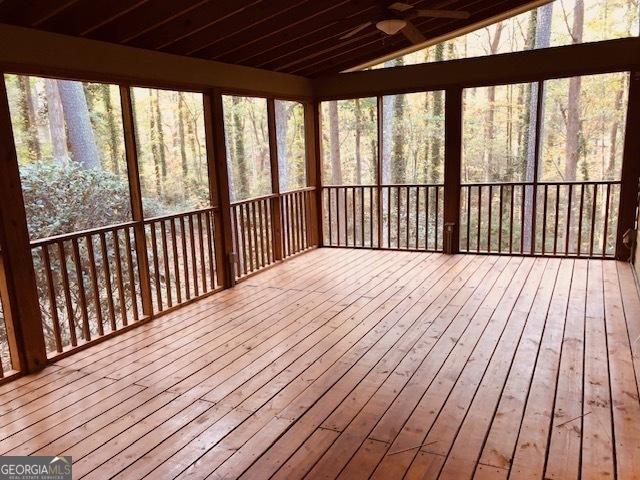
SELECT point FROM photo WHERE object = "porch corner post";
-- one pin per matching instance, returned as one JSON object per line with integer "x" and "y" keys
{"x": 452, "y": 167}
{"x": 19, "y": 288}
{"x": 137, "y": 212}
{"x": 314, "y": 170}
{"x": 219, "y": 179}
{"x": 275, "y": 181}
{"x": 630, "y": 175}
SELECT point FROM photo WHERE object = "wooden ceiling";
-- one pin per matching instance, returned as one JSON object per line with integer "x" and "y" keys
{"x": 293, "y": 36}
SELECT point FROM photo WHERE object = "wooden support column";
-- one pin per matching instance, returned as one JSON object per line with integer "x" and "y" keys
{"x": 17, "y": 276}
{"x": 276, "y": 221}
{"x": 452, "y": 160}
{"x": 314, "y": 170}
{"x": 379, "y": 167}
{"x": 630, "y": 175}
{"x": 219, "y": 188}
{"x": 137, "y": 212}
{"x": 217, "y": 160}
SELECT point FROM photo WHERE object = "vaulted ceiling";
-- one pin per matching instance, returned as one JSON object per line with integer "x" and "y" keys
{"x": 304, "y": 37}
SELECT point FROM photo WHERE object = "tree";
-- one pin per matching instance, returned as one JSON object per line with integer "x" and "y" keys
{"x": 573, "y": 117}
{"x": 113, "y": 133}
{"x": 490, "y": 129}
{"x": 438, "y": 112}
{"x": 155, "y": 143}
{"x": 541, "y": 32}
{"x": 56, "y": 122}
{"x": 181, "y": 137}
{"x": 82, "y": 141}
{"x": 29, "y": 120}
{"x": 283, "y": 115}
{"x": 358, "y": 114}
{"x": 239, "y": 153}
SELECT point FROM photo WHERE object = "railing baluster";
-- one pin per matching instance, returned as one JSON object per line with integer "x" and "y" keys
{"x": 479, "y": 216}
{"x": 53, "y": 304}
{"x": 156, "y": 265}
{"x": 594, "y": 201}
{"x": 107, "y": 276}
{"x": 165, "y": 261}
{"x": 500, "y": 191}
{"x": 116, "y": 247}
{"x": 417, "y": 218}
{"x": 185, "y": 258}
{"x": 523, "y": 200}
{"x": 194, "y": 260}
{"x": 176, "y": 260}
{"x": 131, "y": 275}
{"x": 210, "y": 241}
{"x": 362, "y": 243}
{"x": 568, "y": 224}
{"x": 67, "y": 294}
{"x": 203, "y": 260}
{"x": 427, "y": 198}
{"x": 580, "y": 219}
{"x": 544, "y": 221}
{"x": 468, "y": 218}
{"x": 511, "y": 194}
{"x": 94, "y": 283}
{"x": 86, "y": 331}
{"x": 557, "y": 213}
{"x": 605, "y": 228}
{"x": 398, "y": 200}
{"x": 408, "y": 216}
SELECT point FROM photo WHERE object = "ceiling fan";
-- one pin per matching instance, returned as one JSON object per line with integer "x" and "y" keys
{"x": 399, "y": 20}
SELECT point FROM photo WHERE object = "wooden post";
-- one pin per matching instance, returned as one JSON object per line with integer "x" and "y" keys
{"x": 17, "y": 276}
{"x": 452, "y": 159}
{"x": 219, "y": 187}
{"x": 314, "y": 170}
{"x": 217, "y": 158}
{"x": 630, "y": 175}
{"x": 275, "y": 181}
{"x": 379, "y": 167}
{"x": 137, "y": 212}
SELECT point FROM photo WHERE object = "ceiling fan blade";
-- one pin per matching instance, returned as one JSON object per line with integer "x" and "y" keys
{"x": 400, "y": 7}
{"x": 442, "y": 13}
{"x": 413, "y": 34}
{"x": 355, "y": 31}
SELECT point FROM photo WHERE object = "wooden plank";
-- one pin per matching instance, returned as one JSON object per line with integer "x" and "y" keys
{"x": 625, "y": 401}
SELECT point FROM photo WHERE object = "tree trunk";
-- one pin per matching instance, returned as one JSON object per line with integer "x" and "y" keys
{"x": 29, "y": 117}
{"x": 574, "y": 121}
{"x": 282, "y": 119}
{"x": 56, "y": 122}
{"x": 438, "y": 114}
{"x": 541, "y": 33}
{"x": 76, "y": 114}
{"x": 155, "y": 144}
{"x": 114, "y": 136}
{"x": 161, "y": 146}
{"x": 241, "y": 164}
{"x": 358, "y": 113}
{"x": 493, "y": 171}
{"x": 613, "y": 135}
{"x": 181, "y": 137}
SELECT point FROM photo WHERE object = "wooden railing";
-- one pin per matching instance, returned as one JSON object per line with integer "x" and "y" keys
{"x": 182, "y": 257}
{"x": 253, "y": 234}
{"x": 88, "y": 285}
{"x": 295, "y": 211}
{"x": 399, "y": 217}
{"x": 543, "y": 218}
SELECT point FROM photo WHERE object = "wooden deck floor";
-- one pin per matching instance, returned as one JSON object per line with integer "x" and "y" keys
{"x": 358, "y": 364}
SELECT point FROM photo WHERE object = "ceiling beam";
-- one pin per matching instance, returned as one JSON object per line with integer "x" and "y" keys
{"x": 144, "y": 19}
{"x": 533, "y": 65}
{"x": 83, "y": 18}
{"x": 37, "y": 52}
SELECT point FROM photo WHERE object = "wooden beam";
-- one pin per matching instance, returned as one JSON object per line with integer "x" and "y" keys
{"x": 276, "y": 221}
{"x": 314, "y": 172}
{"x": 214, "y": 120}
{"x": 630, "y": 175}
{"x": 137, "y": 212}
{"x": 556, "y": 62}
{"x": 85, "y": 18}
{"x": 219, "y": 194}
{"x": 144, "y": 19}
{"x": 452, "y": 166}
{"x": 34, "y": 12}
{"x": 20, "y": 292}
{"x": 36, "y": 52}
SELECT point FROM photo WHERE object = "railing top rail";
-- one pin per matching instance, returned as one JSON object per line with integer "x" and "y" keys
{"x": 386, "y": 185}
{"x": 254, "y": 199}
{"x": 178, "y": 215}
{"x": 298, "y": 190}
{"x": 82, "y": 233}
{"x": 575, "y": 182}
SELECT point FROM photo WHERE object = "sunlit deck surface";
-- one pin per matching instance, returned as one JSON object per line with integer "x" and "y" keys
{"x": 355, "y": 364}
